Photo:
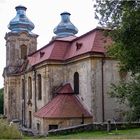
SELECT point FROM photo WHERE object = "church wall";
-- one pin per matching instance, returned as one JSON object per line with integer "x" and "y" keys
{"x": 13, "y": 44}
{"x": 41, "y": 102}
{"x": 90, "y": 82}
{"x": 38, "y": 126}
{"x": 34, "y": 103}
{"x": 29, "y": 104}
{"x": 23, "y": 99}
{"x": 106, "y": 71}
{"x": 12, "y": 97}
{"x": 96, "y": 87}
{"x": 56, "y": 78}
{"x": 52, "y": 77}
{"x": 5, "y": 96}
{"x": 113, "y": 110}
{"x": 61, "y": 122}
{"x": 83, "y": 67}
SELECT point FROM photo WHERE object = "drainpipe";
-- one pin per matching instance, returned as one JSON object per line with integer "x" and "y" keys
{"x": 24, "y": 102}
{"x": 102, "y": 75}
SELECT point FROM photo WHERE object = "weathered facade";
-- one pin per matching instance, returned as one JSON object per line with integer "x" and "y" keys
{"x": 32, "y": 77}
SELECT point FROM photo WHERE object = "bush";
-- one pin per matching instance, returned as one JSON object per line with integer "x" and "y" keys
{"x": 9, "y": 131}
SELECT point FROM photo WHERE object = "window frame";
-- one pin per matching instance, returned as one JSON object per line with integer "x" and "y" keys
{"x": 39, "y": 78}
{"x": 76, "y": 82}
{"x": 23, "y": 51}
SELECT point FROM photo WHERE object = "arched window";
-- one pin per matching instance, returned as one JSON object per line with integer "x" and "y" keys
{"x": 76, "y": 83}
{"x": 29, "y": 87}
{"x": 23, "y": 50}
{"x": 23, "y": 89}
{"x": 39, "y": 86}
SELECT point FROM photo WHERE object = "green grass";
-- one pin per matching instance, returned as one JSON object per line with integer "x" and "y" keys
{"x": 119, "y": 134}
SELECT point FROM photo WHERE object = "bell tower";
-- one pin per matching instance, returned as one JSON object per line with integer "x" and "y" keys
{"x": 20, "y": 42}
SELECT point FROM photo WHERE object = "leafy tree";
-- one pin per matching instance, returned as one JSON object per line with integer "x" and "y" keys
{"x": 1, "y": 101}
{"x": 129, "y": 91}
{"x": 123, "y": 17}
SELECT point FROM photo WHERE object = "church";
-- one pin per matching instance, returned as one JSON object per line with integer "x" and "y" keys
{"x": 64, "y": 83}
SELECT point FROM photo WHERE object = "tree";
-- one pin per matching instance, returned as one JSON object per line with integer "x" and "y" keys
{"x": 123, "y": 17}
{"x": 1, "y": 101}
{"x": 129, "y": 91}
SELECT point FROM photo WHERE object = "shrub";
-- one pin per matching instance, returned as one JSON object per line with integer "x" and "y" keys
{"x": 9, "y": 131}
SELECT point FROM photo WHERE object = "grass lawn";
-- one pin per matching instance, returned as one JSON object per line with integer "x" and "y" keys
{"x": 118, "y": 134}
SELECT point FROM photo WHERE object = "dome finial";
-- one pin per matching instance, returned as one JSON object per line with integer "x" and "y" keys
{"x": 20, "y": 22}
{"x": 65, "y": 27}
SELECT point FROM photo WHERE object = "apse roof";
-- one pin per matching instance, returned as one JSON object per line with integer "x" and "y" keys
{"x": 64, "y": 105}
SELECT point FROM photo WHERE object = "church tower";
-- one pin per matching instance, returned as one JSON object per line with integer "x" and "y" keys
{"x": 20, "y": 42}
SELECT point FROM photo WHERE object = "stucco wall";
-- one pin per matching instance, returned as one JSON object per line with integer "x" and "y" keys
{"x": 13, "y": 43}
{"x": 113, "y": 110}
{"x": 56, "y": 76}
{"x": 96, "y": 85}
{"x": 62, "y": 123}
{"x": 106, "y": 71}
{"x": 83, "y": 67}
{"x": 12, "y": 97}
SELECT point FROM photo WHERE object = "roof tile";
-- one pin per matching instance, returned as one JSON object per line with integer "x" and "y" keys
{"x": 63, "y": 106}
{"x": 66, "y": 48}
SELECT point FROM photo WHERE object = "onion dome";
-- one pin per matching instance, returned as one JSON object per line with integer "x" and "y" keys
{"x": 20, "y": 22}
{"x": 65, "y": 27}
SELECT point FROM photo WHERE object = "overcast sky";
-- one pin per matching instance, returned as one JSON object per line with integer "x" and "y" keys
{"x": 45, "y": 14}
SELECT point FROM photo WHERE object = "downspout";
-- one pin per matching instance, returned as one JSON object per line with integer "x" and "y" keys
{"x": 102, "y": 74}
{"x": 24, "y": 103}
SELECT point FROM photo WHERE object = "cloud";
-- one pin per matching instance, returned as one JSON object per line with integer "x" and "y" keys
{"x": 3, "y": 1}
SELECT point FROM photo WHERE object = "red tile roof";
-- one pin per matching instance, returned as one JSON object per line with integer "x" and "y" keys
{"x": 65, "y": 48}
{"x": 54, "y": 51}
{"x": 65, "y": 89}
{"x": 63, "y": 106}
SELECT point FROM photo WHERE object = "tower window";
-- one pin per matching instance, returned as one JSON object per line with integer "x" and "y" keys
{"x": 29, "y": 87}
{"x": 39, "y": 87}
{"x": 23, "y": 51}
{"x": 76, "y": 83}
